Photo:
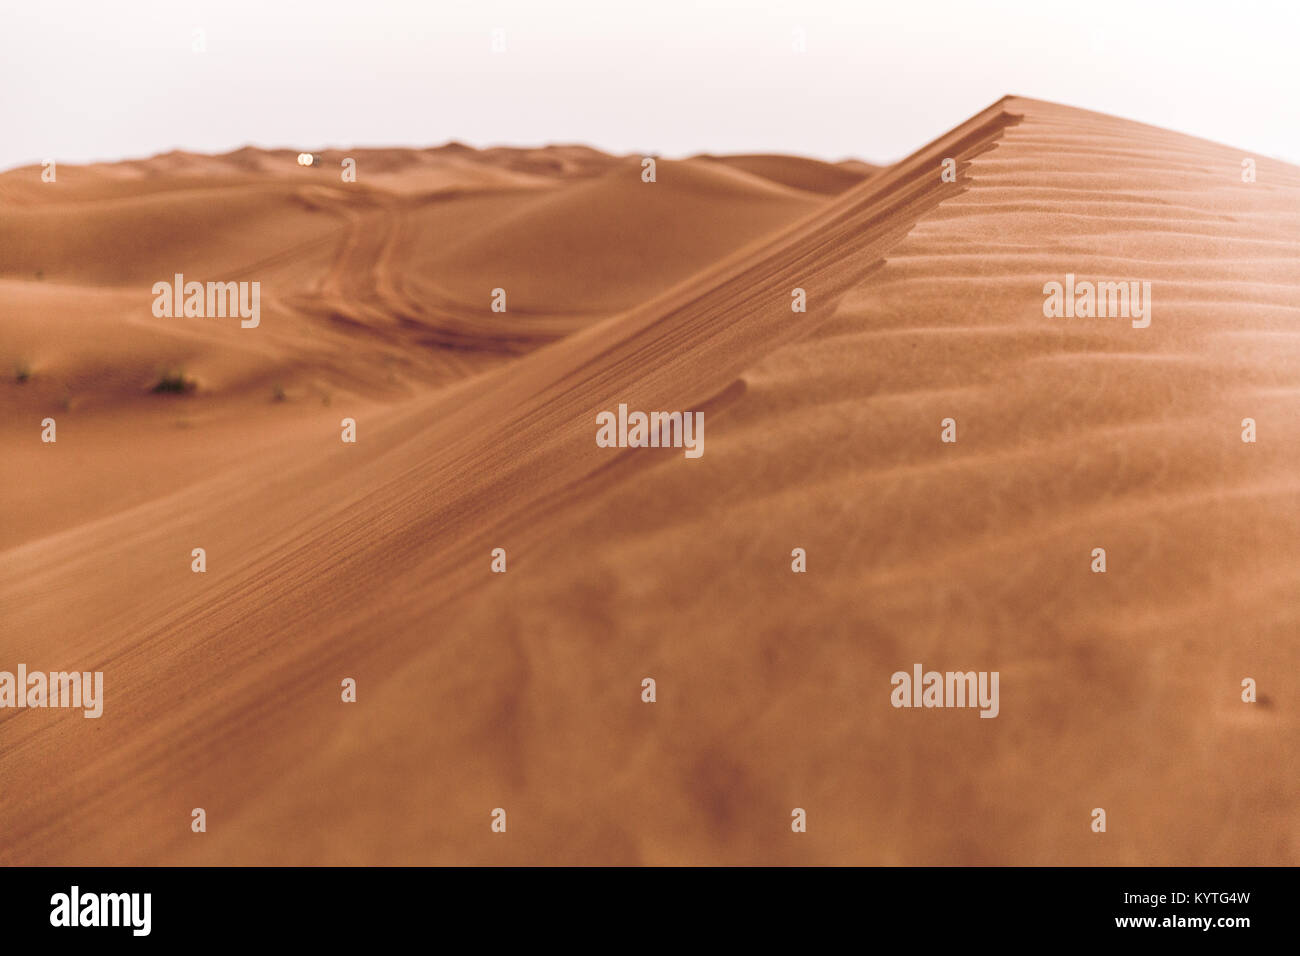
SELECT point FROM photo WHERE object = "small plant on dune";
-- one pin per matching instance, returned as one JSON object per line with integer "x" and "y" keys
{"x": 174, "y": 382}
{"x": 22, "y": 373}
{"x": 277, "y": 392}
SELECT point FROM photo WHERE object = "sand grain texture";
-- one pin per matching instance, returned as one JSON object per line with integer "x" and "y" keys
{"x": 476, "y": 430}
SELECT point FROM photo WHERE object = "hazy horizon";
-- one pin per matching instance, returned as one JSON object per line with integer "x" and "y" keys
{"x": 653, "y": 80}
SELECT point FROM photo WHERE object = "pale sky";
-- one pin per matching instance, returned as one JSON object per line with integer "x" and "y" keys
{"x": 84, "y": 80}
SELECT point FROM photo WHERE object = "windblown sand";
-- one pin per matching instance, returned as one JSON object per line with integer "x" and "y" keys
{"x": 476, "y": 431}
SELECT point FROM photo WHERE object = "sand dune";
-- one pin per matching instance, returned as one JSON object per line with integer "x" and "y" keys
{"x": 811, "y": 175}
{"x": 475, "y": 431}
{"x": 608, "y": 244}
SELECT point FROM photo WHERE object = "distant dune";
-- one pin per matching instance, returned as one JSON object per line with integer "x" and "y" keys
{"x": 807, "y": 174}
{"x": 476, "y": 430}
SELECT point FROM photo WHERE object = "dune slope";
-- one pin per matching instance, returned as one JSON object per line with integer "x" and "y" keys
{"x": 522, "y": 690}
